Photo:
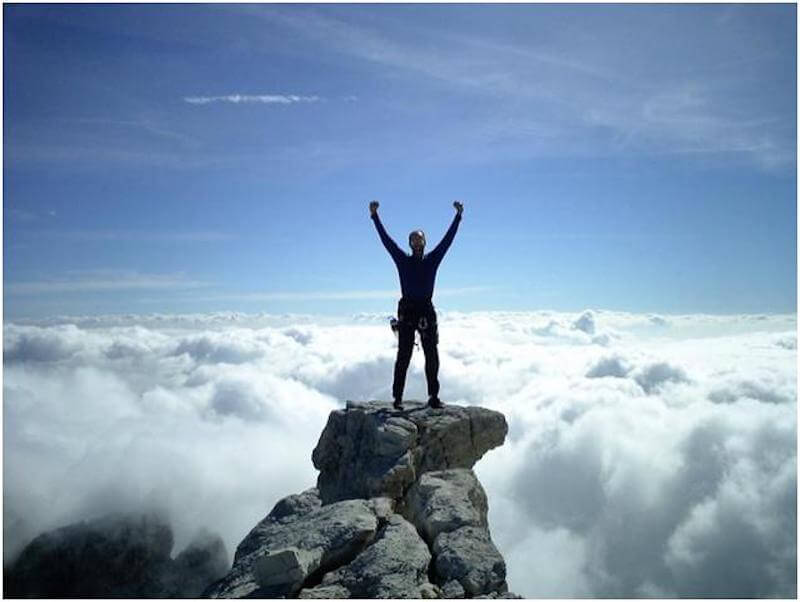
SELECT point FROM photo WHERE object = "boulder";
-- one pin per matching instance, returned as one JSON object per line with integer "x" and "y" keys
{"x": 445, "y": 500}
{"x": 450, "y": 509}
{"x": 468, "y": 556}
{"x": 293, "y": 506}
{"x": 283, "y": 550}
{"x": 394, "y": 566}
{"x": 370, "y": 449}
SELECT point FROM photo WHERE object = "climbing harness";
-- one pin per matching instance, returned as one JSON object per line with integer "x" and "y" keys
{"x": 394, "y": 324}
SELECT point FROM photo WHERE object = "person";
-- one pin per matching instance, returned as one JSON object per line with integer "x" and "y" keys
{"x": 415, "y": 310}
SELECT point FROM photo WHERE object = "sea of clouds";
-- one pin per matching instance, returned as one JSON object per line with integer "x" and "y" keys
{"x": 648, "y": 455}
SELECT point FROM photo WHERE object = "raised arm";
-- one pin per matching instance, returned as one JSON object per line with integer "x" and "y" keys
{"x": 387, "y": 241}
{"x": 438, "y": 253}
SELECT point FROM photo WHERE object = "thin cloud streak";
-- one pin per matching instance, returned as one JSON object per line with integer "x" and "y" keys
{"x": 145, "y": 125}
{"x": 329, "y": 295}
{"x": 664, "y": 116}
{"x": 247, "y": 98}
{"x": 136, "y": 236}
{"x": 110, "y": 283}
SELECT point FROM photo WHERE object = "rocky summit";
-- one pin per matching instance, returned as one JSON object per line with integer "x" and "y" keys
{"x": 397, "y": 512}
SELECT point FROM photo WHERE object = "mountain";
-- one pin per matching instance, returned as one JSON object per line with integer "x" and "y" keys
{"x": 397, "y": 512}
{"x": 115, "y": 556}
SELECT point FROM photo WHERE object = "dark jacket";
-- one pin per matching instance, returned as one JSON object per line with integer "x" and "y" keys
{"x": 417, "y": 275}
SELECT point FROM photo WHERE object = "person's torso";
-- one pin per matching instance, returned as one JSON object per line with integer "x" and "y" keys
{"x": 417, "y": 276}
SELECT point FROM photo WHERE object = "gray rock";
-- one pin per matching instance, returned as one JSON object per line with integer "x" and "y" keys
{"x": 325, "y": 592}
{"x": 457, "y": 437}
{"x": 468, "y": 556}
{"x": 284, "y": 550}
{"x": 287, "y": 566}
{"x": 453, "y": 589}
{"x": 394, "y": 566}
{"x": 203, "y": 561}
{"x": 293, "y": 506}
{"x": 396, "y": 505}
{"x": 285, "y": 511}
{"x": 369, "y": 449}
{"x": 429, "y": 591}
{"x": 449, "y": 507}
{"x": 118, "y": 555}
{"x": 383, "y": 507}
{"x": 446, "y": 500}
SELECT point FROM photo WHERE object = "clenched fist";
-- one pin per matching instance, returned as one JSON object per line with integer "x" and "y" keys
{"x": 459, "y": 207}
{"x": 373, "y": 207}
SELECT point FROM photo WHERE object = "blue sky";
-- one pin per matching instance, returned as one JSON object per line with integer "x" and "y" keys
{"x": 186, "y": 158}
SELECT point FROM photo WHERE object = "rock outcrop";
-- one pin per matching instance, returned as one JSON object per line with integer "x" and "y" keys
{"x": 117, "y": 556}
{"x": 397, "y": 513}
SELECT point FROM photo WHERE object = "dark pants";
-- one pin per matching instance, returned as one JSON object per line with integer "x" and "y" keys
{"x": 413, "y": 317}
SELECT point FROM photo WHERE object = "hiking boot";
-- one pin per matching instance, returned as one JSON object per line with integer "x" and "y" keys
{"x": 435, "y": 402}
{"x": 398, "y": 405}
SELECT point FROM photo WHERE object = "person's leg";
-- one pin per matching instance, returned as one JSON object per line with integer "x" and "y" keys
{"x": 405, "y": 347}
{"x": 430, "y": 343}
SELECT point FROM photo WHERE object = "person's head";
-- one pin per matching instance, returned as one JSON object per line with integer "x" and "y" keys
{"x": 416, "y": 240}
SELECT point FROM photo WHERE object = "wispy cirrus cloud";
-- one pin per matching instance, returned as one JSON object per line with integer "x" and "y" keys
{"x": 135, "y": 235}
{"x": 103, "y": 281}
{"x": 24, "y": 215}
{"x": 148, "y": 125}
{"x": 325, "y": 295}
{"x": 579, "y": 94}
{"x": 283, "y": 99}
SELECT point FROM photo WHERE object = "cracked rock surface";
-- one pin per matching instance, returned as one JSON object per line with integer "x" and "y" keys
{"x": 370, "y": 449}
{"x": 283, "y": 550}
{"x": 397, "y": 513}
{"x": 395, "y": 566}
{"x": 445, "y": 500}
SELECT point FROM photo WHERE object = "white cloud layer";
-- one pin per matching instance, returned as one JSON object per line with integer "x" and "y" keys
{"x": 647, "y": 455}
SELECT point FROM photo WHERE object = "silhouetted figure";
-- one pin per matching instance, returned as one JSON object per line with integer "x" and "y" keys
{"x": 415, "y": 311}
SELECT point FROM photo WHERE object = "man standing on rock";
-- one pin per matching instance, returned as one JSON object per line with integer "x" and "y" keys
{"x": 415, "y": 311}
